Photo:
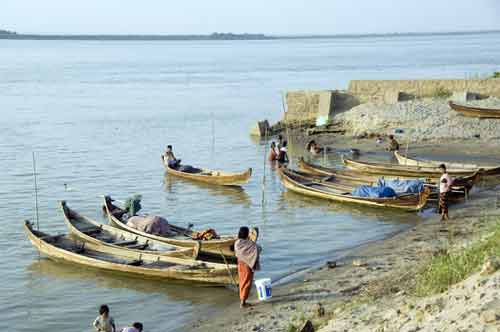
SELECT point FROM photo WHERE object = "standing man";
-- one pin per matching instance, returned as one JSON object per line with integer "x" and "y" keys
{"x": 444, "y": 192}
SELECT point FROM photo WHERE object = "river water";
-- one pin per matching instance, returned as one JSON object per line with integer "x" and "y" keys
{"x": 99, "y": 114}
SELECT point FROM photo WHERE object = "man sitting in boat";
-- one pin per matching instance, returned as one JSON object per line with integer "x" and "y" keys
{"x": 393, "y": 144}
{"x": 170, "y": 159}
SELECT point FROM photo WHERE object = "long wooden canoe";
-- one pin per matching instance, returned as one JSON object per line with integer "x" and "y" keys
{"x": 181, "y": 236}
{"x": 91, "y": 231}
{"x": 476, "y": 112}
{"x": 294, "y": 182}
{"x": 407, "y": 161}
{"x": 374, "y": 168}
{"x": 213, "y": 177}
{"x": 348, "y": 180}
{"x": 68, "y": 249}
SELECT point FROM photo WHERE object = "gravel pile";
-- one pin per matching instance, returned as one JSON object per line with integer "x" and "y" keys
{"x": 422, "y": 120}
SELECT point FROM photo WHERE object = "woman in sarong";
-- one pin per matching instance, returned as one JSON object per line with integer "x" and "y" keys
{"x": 247, "y": 252}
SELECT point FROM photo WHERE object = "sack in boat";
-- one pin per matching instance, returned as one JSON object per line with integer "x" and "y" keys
{"x": 150, "y": 224}
{"x": 208, "y": 234}
{"x": 374, "y": 192}
{"x": 188, "y": 169}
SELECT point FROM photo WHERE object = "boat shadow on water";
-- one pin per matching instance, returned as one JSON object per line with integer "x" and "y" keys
{"x": 235, "y": 195}
{"x": 176, "y": 290}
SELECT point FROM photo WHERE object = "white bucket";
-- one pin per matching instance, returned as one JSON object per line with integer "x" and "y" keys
{"x": 264, "y": 289}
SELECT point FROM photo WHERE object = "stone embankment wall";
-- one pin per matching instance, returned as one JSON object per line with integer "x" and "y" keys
{"x": 316, "y": 107}
{"x": 382, "y": 90}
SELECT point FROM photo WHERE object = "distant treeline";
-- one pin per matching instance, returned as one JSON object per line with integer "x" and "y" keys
{"x": 4, "y": 34}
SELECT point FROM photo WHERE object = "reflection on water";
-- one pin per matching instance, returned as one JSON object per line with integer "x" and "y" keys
{"x": 233, "y": 194}
{"x": 174, "y": 289}
{"x": 389, "y": 215}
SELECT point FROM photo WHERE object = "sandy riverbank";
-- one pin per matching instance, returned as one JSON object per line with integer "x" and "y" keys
{"x": 342, "y": 292}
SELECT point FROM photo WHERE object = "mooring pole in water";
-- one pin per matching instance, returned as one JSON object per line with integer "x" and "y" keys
{"x": 264, "y": 169}
{"x": 213, "y": 130}
{"x": 36, "y": 192}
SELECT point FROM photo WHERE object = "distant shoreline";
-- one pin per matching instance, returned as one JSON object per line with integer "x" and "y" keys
{"x": 222, "y": 36}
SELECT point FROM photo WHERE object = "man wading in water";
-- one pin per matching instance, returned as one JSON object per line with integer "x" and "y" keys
{"x": 247, "y": 252}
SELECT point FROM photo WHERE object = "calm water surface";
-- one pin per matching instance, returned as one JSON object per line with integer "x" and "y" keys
{"x": 98, "y": 115}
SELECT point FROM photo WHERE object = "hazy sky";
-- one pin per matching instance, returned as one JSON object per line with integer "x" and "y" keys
{"x": 266, "y": 16}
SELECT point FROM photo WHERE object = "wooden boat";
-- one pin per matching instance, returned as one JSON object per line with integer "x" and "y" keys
{"x": 485, "y": 170}
{"x": 299, "y": 184}
{"x": 182, "y": 237}
{"x": 348, "y": 181}
{"x": 213, "y": 177}
{"x": 476, "y": 112}
{"x": 91, "y": 231}
{"x": 68, "y": 249}
{"x": 374, "y": 168}
{"x": 355, "y": 176}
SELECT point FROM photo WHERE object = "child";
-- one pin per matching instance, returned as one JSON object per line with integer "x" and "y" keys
{"x": 104, "y": 322}
{"x": 136, "y": 327}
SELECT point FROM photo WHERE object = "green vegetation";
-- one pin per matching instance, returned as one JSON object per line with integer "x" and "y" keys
{"x": 441, "y": 92}
{"x": 496, "y": 74}
{"x": 450, "y": 268}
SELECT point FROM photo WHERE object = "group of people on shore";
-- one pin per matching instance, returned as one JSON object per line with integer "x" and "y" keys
{"x": 105, "y": 323}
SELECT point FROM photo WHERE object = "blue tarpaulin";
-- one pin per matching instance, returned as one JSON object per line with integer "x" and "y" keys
{"x": 374, "y": 192}
{"x": 403, "y": 186}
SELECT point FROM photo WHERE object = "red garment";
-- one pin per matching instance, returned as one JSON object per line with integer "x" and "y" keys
{"x": 245, "y": 274}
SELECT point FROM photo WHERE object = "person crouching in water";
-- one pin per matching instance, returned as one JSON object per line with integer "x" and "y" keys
{"x": 247, "y": 252}
{"x": 444, "y": 192}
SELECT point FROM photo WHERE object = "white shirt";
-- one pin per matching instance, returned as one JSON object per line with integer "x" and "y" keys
{"x": 444, "y": 187}
{"x": 130, "y": 329}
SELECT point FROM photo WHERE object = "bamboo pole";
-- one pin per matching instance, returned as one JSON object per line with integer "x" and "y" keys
{"x": 36, "y": 192}
{"x": 264, "y": 170}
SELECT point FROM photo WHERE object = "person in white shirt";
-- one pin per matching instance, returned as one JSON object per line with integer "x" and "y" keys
{"x": 445, "y": 183}
{"x": 136, "y": 327}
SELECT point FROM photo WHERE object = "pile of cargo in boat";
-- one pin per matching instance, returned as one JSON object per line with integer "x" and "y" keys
{"x": 297, "y": 182}
{"x": 180, "y": 236}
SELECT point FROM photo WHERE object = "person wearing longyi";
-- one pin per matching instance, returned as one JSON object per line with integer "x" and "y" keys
{"x": 445, "y": 183}
{"x": 247, "y": 253}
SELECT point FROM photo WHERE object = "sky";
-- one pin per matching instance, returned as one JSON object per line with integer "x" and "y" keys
{"x": 278, "y": 17}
